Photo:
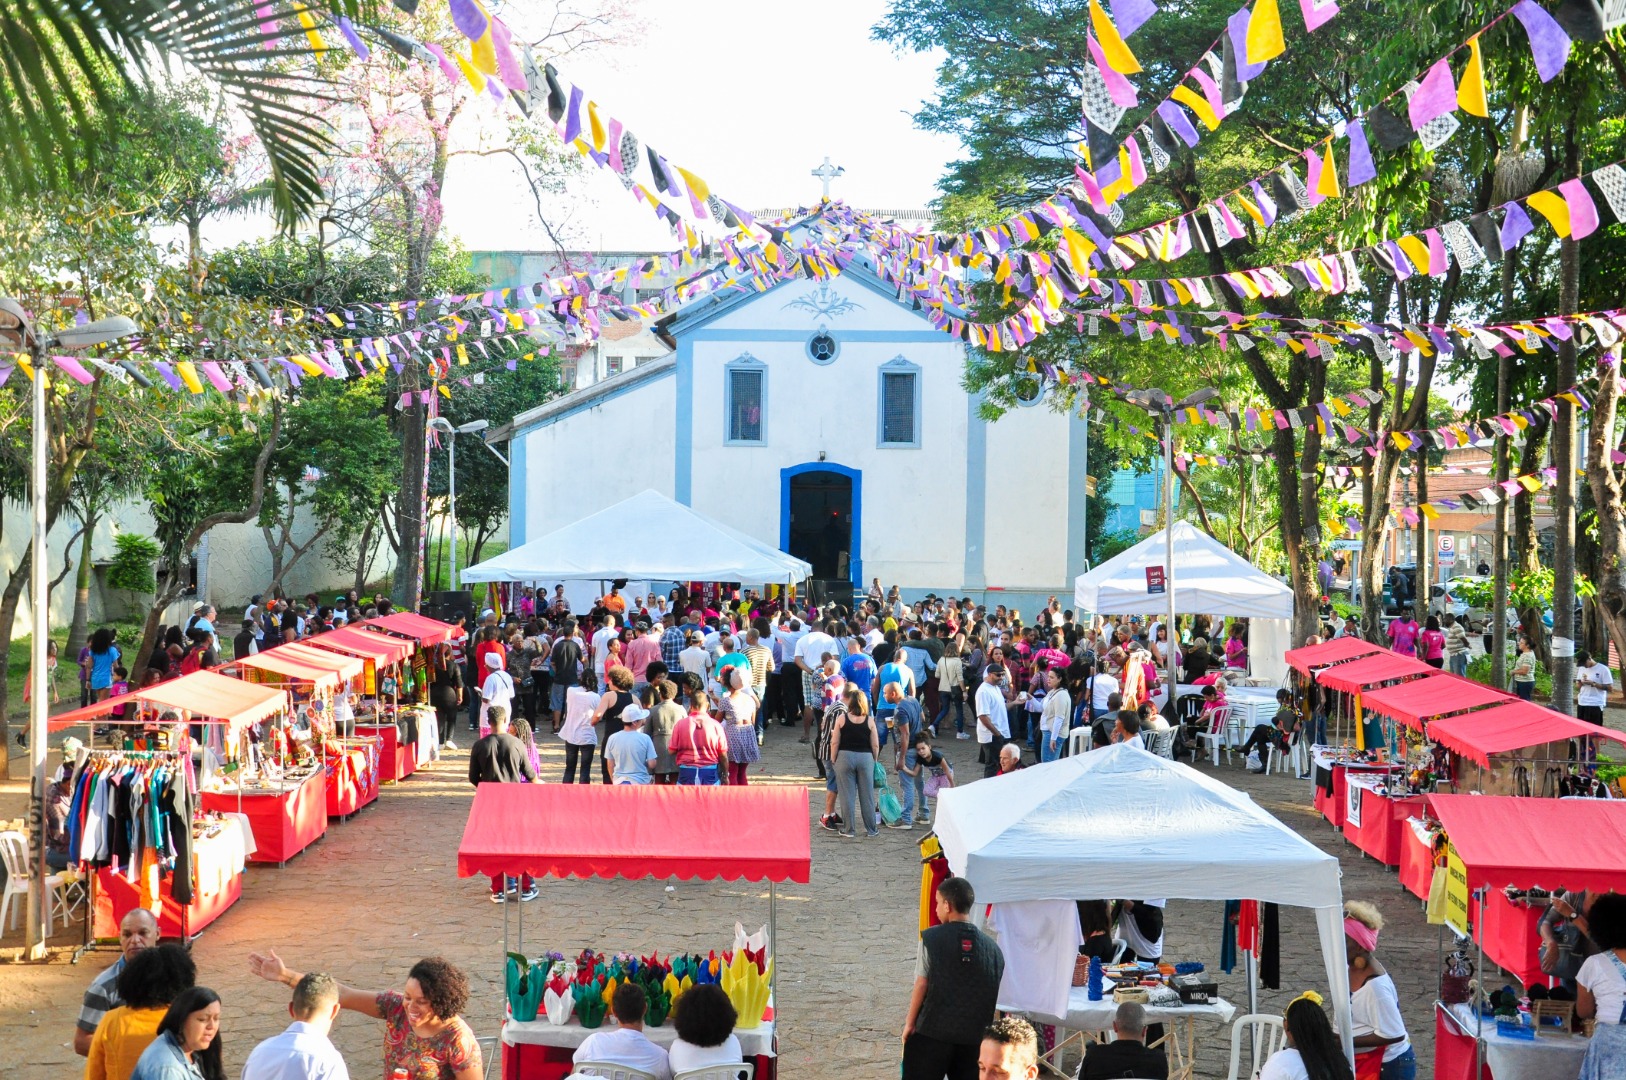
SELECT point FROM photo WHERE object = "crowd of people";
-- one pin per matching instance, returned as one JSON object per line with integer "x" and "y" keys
{"x": 146, "y": 1018}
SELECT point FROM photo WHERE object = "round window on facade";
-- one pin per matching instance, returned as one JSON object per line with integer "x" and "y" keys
{"x": 822, "y": 348}
{"x": 1029, "y": 390}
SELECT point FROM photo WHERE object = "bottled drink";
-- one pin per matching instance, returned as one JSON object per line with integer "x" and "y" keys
{"x": 399, "y": 1074}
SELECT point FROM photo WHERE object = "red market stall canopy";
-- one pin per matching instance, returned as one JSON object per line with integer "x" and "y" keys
{"x": 1381, "y": 667}
{"x": 318, "y": 667}
{"x": 1336, "y": 651}
{"x": 758, "y": 833}
{"x": 214, "y": 696}
{"x": 86, "y": 713}
{"x": 1529, "y": 843}
{"x": 382, "y": 649}
{"x": 1513, "y": 726}
{"x": 1413, "y": 703}
{"x": 420, "y": 629}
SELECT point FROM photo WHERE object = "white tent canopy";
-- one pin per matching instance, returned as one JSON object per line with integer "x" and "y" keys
{"x": 1124, "y": 823}
{"x": 1209, "y": 578}
{"x": 647, "y": 537}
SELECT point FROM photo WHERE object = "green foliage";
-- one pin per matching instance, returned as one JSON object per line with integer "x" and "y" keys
{"x": 1479, "y": 670}
{"x": 132, "y": 565}
{"x": 1113, "y": 543}
{"x": 1524, "y": 591}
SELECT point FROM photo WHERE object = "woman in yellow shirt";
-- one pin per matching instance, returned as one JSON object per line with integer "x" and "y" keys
{"x": 147, "y": 985}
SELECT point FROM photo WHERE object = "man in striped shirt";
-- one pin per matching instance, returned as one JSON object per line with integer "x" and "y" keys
{"x": 138, "y": 930}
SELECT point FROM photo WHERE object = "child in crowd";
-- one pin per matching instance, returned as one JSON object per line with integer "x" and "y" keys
{"x": 520, "y": 729}
{"x": 934, "y": 771}
{"x": 835, "y": 685}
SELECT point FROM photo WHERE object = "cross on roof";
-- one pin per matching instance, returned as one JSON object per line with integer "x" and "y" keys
{"x": 826, "y": 173}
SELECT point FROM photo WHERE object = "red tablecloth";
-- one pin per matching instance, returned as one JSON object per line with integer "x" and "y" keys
{"x": 219, "y": 886}
{"x": 1416, "y": 862}
{"x": 352, "y": 780}
{"x": 285, "y": 823}
{"x": 395, "y": 761}
{"x": 1511, "y": 938}
{"x": 531, "y": 1062}
{"x": 1332, "y": 806}
{"x": 1382, "y": 821}
{"x": 1454, "y": 1051}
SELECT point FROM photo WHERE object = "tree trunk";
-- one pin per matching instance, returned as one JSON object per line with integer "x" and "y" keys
{"x": 1564, "y": 629}
{"x": 409, "y": 502}
{"x": 1604, "y": 482}
{"x": 1503, "y": 454}
{"x": 364, "y": 558}
{"x": 1420, "y": 600}
{"x": 79, "y": 629}
{"x": 9, "y": 599}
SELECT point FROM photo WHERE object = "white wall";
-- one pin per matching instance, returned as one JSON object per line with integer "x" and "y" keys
{"x": 594, "y": 458}
{"x": 1026, "y": 533}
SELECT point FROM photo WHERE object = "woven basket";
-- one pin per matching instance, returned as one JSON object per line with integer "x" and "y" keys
{"x": 1081, "y": 970}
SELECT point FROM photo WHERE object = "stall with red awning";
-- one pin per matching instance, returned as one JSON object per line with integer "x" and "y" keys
{"x": 1516, "y": 725}
{"x": 1374, "y": 670}
{"x": 382, "y": 649}
{"x": 1421, "y": 700}
{"x": 1337, "y": 651}
{"x": 210, "y": 695}
{"x": 424, "y": 631}
{"x": 755, "y": 833}
{"x": 299, "y": 663}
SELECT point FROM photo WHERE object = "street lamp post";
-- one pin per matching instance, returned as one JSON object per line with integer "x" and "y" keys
{"x": 16, "y": 328}
{"x": 441, "y": 424}
{"x": 1161, "y": 405}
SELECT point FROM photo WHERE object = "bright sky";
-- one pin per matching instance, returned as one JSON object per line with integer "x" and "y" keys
{"x": 750, "y": 96}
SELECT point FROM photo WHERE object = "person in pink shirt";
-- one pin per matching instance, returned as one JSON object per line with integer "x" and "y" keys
{"x": 1403, "y": 635}
{"x": 1236, "y": 649}
{"x": 1431, "y": 644}
{"x": 642, "y": 651}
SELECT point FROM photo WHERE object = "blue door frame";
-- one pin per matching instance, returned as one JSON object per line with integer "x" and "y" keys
{"x": 855, "y": 564}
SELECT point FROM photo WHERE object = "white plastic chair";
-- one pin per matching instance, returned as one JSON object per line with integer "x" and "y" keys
{"x": 14, "y": 854}
{"x": 609, "y": 1070}
{"x": 1262, "y": 1034}
{"x": 1293, "y": 759}
{"x": 1213, "y": 739}
{"x": 733, "y": 1070}
{"x": 490, "y": 1050}
{"x": 1160, "y": 743}
{"x": 1078, "y": 741}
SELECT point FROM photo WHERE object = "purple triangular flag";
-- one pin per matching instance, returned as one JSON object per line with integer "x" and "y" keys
{"x": 1131, "y": 15}
{"x": 1549, "y": 45}
{"x": 1237, "y": 27}
{"x": 1583, "y": 211}
{"x": 1178, "y": 121}
{"x": 1436, "y": 97}
{"x": 1361, "y": 168}
{"x": 1515, "y": 226}
{"x": 1316, "y": 13}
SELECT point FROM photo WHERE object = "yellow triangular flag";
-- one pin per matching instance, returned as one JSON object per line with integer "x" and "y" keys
{"x": 1113, "y": 46}
{"x": 470, "y": 72}
{"x": 483, "y": 52}
{"x": 309, "y": 24}
{"x": 1197, "y": 104}
{"x": 1265, "y": 32}
{"x": 1471, "y": 88}
{"x": 1252, "y": 210}
{"x": 701, "y": 189}
{"x": 1416, "y": 250}
{"x": 1327, "y": 184}
{"x": 189, "y": 376}
{"x": 1551, "y": 205}
{"x": 595, "y": 124}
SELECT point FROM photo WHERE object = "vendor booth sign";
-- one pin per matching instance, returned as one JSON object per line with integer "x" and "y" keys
{"x": 1352, "y": 804}
{"x": 1456, "y": 892}
{"x": 1154, "y": 579}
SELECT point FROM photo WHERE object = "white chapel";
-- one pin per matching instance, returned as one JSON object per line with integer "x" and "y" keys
{"x": 829, "y": 419}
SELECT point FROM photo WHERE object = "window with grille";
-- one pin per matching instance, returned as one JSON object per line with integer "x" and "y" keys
{"x": 900, "y": 404}
{"x": 612, "y": 366}
{"x": 745, "y": 384}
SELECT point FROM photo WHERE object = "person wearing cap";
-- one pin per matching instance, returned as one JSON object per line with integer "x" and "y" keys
{"x": 993, "y": 723}
{"x": 496, "y": 692}
{"x": 695, "y": 659}
{"x": 1374, "y": 1000}
{"x": 629, "y": 754}
{"x": 501, "y": 758}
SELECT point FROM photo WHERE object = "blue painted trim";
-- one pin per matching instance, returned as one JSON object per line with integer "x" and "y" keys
{"x": 517, "y": 525}
{"x": 976, "y": 494}
{"x": 898, "y": 365}
{"x": 1078, "y": 436}
{"x": 747, "y": 362}
{"x": 926, "y": 333}
{"x": 683, "y": 425}
{"x": 855, "y": 561}
{"x": 591, "y": 402}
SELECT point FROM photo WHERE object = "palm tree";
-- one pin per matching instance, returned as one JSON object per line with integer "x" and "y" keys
{"x": 65, "y": 62}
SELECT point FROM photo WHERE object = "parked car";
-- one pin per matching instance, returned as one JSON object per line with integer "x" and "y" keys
{"x": 1405, "y": 573}
{"x": 1444, "y": 597}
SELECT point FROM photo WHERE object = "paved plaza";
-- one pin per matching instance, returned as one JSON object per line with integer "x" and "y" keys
{"x": 380, "y": 891}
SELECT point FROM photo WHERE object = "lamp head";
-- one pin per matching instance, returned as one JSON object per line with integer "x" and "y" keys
{"x": 472, "y": 426}
{"x": 99, "y": 332}
{"x": 441, "y": 424}
{"x": 1197, "y": 397}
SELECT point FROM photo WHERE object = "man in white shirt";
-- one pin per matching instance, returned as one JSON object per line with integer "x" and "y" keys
{"x": 303, "y": 1052}
{"x": 810, "y": 653}
{"x": 873, "y": 635}
{"x": 1140, "y": 927}
{"x": 1594, "y": 681}
{"x": 497, "y": 690}
{"x": 1102, "y": 686}
{"x": 695, "y": 659}
{"x": 601, "y": 649}
{"x": 993, "y": 725}
{"x": 626, "y": 1044}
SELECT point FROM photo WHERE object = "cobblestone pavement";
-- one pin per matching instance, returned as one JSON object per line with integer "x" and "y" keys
{"x": 381, "y": 890}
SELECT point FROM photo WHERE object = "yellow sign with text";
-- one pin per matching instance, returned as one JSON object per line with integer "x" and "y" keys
{"x": 1456, "y": 892}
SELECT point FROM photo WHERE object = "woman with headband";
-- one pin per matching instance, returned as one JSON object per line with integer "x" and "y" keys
{"x": 1313, "y": 1051}
{"x": 1374, "y": 1001}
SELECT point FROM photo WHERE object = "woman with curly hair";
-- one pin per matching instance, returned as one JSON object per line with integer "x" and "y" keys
{"x": 148, "y": 984}
{"x": 704, "y": 1019}
{"x": 423, "y": 1031}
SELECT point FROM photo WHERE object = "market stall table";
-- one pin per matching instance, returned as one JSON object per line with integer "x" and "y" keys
{"x": 1549, "y": 1057}
{"x": 286, "y": 819}
{"x": 1331, "y": 779}
{"x": 1417, "y": 858}
{"x": 1085, "y": 1018}
{"x": 1511, "y": 936}
{"x": 570, "y": 830}
{"x": 396, "y": 758}
{"x": 218, "y": 884}
{"x": 1375, "y": 818}
{"x": 352, "y": 775}
{"x": 540, "y": 1050}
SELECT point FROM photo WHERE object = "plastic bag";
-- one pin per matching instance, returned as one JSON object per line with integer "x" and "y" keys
{"x": 886, "y": 800}
{"x": 1255, "y": 763}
